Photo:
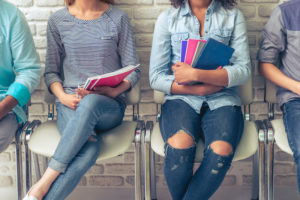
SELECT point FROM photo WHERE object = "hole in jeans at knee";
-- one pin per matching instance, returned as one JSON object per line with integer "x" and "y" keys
{"x": 181, "y": 140}
{"x": 221, "y": 148}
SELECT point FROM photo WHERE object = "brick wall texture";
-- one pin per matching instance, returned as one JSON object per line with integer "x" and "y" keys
{"x": 119, "y": 171}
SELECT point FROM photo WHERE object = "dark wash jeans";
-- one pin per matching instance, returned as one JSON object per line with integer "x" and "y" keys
{"x": 291, "y": 118}
{"x": 222, "y": 124}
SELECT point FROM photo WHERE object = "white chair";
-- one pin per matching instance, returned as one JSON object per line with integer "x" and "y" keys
{"x": 252, "y": 138}
{"x": 42, "y": 139}
{"x": 275, "y": 133}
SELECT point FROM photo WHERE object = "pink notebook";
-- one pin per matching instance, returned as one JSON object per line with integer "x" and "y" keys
{"x": 112, "y": 79}
{"x": 190, "y": 50}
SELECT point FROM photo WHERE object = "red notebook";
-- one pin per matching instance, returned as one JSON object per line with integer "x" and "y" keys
{"x": 111, "y": 79}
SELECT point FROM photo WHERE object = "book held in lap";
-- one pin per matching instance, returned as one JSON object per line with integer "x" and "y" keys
{"x": 111, "y": 79}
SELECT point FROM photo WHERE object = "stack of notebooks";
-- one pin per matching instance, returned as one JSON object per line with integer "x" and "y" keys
{"x": 206, "y": 55}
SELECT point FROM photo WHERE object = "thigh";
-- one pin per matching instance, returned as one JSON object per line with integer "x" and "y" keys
{"x": 176, "y": 115}
{"x": 223, "y": 124}
{"x": 110, "y": 112}
{"x": 291, "y": 117}
{"x": 8, "y": 127}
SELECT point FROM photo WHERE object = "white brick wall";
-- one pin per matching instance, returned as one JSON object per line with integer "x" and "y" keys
{"x": 118, "y": 172}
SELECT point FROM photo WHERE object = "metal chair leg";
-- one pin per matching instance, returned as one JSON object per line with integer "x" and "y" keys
{"x": 147, "y": 162}
{"x": 137, "y": 157}
{"x": 28, "y": 171}
{"x": 36, "y": 166}
{"x": 19, "y": 170}
{"x": 270, "y": 171}
{"x": 153, "y": 175}
{"x": 261, "y": 150}
{"x": 270, "y": 161}
{"x": 255, "y": 177}
{"x": 45, "y": 163}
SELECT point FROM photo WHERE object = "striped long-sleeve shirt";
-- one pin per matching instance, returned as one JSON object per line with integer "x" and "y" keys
{"x": 78, "y": 49}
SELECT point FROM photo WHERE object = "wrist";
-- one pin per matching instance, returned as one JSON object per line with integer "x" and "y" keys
{"x": 196, "y": 74}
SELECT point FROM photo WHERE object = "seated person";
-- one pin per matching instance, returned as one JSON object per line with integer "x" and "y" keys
{"x": 19, "y": 70}
{"x": 281, "y": 44}
{"x": 86, "y": 38}
{"x": 212, "y": 107}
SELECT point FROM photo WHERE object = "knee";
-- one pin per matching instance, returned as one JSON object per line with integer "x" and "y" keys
{"x": 221, "y": 148}
{"x": 181, "y": 140}
{"x": 90, "y": 102}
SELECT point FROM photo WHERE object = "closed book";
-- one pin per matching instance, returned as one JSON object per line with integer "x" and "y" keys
{"x": 190, "y": 51}
{"x": 213, "y": 55}
{"x": 183, "y": 49}
{"x": 111, "y": 79}
{"x": 200, "y": 45}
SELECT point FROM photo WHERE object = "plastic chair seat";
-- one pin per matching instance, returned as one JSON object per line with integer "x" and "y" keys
{"x": 113, "y": 142}
{"x": 280, "y": 136}
{"x": 246, "y": 148}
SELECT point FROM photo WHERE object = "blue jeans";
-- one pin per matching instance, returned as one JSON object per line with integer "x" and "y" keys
{"x": 223, "y": 124}
{"x": 291, "y": 117}
{"x": 79, "y": 147}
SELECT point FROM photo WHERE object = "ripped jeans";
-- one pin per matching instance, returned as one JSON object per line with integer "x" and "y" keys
{"x": 222, "y": 124}
{"x": 78, "y": 148}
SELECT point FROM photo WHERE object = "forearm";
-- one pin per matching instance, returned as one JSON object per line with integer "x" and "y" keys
{"x": 57, "y": 89}
{"x": 272, "y": 73}
{"x": 6, "y": 105}
{"x": 213, "y": 77}
{"x": 198, "y": 89}
{"x": 124, "y": 86}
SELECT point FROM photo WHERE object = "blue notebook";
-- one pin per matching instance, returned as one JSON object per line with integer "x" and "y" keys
{"x": 183, "y": 49}
{"x": 213, "y": 55}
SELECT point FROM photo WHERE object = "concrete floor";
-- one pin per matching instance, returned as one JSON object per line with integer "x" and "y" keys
{"x": 224, "y": 193}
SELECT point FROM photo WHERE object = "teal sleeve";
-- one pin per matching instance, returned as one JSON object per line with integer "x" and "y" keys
{"x": 19, "y": 92}
{"x": 26, "y": 63}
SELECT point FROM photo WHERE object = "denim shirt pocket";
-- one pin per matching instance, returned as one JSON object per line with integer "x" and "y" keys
{"x": 221, "y": 35}
{"x": 176, "y": 39}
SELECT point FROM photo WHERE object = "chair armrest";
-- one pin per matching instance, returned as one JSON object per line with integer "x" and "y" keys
{"x": 30, "y": 128}
{"x": 261, "y": 129}
{"x": 149, "y": 128}
{"x": 138, "y": 131}
{"x": 158, "y": 97}
{"x": 133, "y": 96}
{"x": 270, "y": 130}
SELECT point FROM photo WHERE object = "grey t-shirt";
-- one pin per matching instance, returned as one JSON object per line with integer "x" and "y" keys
{"x": 281, "y": 42}
{"x": 78, "y": 49}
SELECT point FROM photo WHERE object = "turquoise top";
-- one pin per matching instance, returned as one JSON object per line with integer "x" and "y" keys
{"x": 20, "y": 67}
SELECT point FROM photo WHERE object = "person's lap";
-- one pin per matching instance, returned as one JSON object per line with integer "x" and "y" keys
{"x": 8, "y": 127}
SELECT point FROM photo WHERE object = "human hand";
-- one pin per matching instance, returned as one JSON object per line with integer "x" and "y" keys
{"x": 70, "y": 100}
{"x": 184, "y": 73}
{"x": 107, "y": 91}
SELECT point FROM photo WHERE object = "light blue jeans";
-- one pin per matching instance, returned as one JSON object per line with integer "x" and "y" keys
{"x": 78, "y": 148}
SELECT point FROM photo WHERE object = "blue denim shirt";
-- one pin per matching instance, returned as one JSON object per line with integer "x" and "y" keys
{"x": 177, "y": 24}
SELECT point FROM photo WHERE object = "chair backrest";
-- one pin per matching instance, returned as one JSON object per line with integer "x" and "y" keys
{"x": 245, "y": 91}
{"x": 133, "y": 96}
{"x": 270, "y": 92}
